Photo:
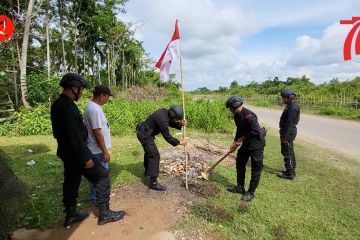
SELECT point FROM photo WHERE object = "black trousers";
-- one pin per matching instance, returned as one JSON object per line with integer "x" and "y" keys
{"x": 151, "y": 156}
{"x": 97, "y": 175}
{"x": 257, "y": 157}
{"x": 151, "y": 152}
{"x": 287, "y": 150}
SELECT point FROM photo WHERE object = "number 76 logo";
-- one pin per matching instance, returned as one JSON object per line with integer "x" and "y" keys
{"x": 350, "y": 37}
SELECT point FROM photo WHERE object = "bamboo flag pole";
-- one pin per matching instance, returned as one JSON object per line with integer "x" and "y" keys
{"x": 185, "y": 150}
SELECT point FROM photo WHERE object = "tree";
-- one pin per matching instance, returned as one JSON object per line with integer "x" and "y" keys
{"x": 234, "y": 84}
{"x": 24, "y": 49}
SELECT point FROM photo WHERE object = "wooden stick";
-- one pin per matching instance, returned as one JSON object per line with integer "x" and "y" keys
{"x": 185, "y": 150}
{"x": 219, "y": 161}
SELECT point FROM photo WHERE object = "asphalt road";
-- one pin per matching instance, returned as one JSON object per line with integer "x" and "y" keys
{"x": 341, "y": 136}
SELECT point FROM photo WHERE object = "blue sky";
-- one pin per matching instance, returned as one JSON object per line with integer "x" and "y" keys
{"x": 248, "y": 40}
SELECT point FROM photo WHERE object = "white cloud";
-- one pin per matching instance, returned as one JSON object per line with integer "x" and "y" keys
{"x": 322, "y": 51}
{"x": 212, "y": 32}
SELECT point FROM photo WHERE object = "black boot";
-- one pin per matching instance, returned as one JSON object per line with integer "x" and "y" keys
{"x": 286, "y": 175}
{"x": 73, "y": 217}
{"x": 248, "y": 196}
{"x": 106, "y": 215}
{"x": 284, "y": 172}
{"x": 155, "y": 185}
{"x": 236, "y": 189}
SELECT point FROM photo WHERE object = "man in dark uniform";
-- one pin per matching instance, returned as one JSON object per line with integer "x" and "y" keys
{"x": 71, "y": 135}
{"x": 158, "y": 122}
{"x": 288, "y": 121}
{"x": 252, "y": 140}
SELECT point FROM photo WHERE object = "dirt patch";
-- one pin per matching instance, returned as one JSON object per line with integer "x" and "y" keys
{"x": 203, "y": 190}
{"x": 150, "y": 215}
{"x": 280, "y": 231}
{"x": 211, "y": 213}
{"x": 243, "y": 207}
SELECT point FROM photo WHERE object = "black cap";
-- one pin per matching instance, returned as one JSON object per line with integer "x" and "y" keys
{"x": 102, "y": 89}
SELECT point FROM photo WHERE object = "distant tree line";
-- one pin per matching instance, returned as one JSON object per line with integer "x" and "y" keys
{"x": 302, "y": 85}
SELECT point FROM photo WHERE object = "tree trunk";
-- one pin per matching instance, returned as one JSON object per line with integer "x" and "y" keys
{"x": 60, "y": 9}
{"x": 24, "y": 49}
{"x": 108, "y": 67}
{"x": 75, "y": 48}
{"x": 47, "y": 40}
{"x": 14, "y": 78}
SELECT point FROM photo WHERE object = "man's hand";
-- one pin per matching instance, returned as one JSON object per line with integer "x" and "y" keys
{"x": 89, "y": 164}
{"x": 106, "y": 157}
{"x": 184, "y": 142}
{"x": 183, "y": 122}
{"x": 235, "y": 145}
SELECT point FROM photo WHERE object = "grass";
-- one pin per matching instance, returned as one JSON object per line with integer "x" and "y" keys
{"x": 323, "y": 202}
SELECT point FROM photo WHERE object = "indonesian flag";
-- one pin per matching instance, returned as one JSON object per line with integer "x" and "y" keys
{"x": 171, "y": 51}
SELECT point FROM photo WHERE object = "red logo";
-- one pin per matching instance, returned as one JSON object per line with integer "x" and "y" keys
{"x": 6, "y": 28}
{"x": 350, "y": 37}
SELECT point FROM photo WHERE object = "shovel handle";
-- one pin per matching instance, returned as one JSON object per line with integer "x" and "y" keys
{"x": 219, "y": 161}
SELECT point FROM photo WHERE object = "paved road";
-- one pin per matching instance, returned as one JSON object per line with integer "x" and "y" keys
{"x": 343, "y": 136}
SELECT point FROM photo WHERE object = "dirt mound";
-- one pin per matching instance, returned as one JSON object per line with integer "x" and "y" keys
{"x": 203, "y": 190}
{"x": 211, "y": 213}
{"x": 148, "y": 92}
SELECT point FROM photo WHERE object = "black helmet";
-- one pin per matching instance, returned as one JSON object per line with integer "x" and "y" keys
{"x": 288, "y": 93}
{"x": 73, "y": 79}
{"x": 176, "y": 112}
{"x": 234, "y": 101}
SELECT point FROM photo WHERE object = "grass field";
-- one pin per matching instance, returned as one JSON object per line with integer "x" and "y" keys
{"x": 322, "y": 203}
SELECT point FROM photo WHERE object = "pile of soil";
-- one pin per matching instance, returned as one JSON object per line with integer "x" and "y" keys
{"x": 203, "y": 190}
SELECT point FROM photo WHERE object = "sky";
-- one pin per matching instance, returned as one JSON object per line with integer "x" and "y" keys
{"x": 248, "y": 40}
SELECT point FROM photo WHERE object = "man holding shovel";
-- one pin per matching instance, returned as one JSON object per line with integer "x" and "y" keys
{"x": 251, "y": 138}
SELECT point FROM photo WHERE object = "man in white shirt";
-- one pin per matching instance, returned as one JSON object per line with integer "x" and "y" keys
{"x": 99, "y": 138}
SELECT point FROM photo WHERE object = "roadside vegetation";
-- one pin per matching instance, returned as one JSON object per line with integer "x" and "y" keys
{"x": 333, "y": 98}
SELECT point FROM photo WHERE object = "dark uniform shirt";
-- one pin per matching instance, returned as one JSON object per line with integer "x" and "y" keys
{"x": 70, "y": 132}
{"x": 248, "y": 129}
{"x": 159, "y": 122}
{"x": 288, "y": 121}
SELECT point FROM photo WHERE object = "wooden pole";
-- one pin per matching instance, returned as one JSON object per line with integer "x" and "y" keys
{"x": 185, "y": 150}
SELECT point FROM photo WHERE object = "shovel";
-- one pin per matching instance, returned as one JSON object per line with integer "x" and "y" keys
{"x": 205, "y": 175}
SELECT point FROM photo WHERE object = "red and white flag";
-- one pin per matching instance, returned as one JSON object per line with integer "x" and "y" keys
{"x": 171, "y": 51}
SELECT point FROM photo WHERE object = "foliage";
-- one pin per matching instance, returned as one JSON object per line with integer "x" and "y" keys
{"x": 96, "y": 43}
{"x": 29, "y": 122}
{"x": 41, "y": 89}
{"x": 123, "y": 115}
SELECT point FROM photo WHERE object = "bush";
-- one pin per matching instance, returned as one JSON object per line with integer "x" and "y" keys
{"x": 42, "y": 90}
{"x": 123, "y": 116}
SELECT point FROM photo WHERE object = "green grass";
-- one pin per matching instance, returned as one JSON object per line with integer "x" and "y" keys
{"x": 44, "y": 179}
{"x": 322, "y": 203}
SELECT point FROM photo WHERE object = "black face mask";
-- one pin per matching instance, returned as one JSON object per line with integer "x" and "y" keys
{"x": 76, "y": 94}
